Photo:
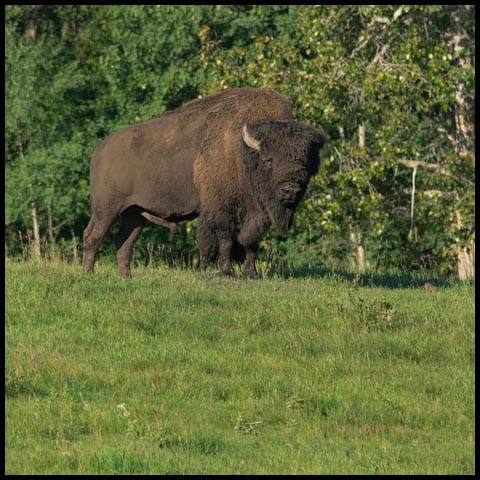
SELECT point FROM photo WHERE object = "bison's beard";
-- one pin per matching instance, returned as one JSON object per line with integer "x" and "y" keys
{"x": 282, "y": 218}
{"x": 280, "y": 215}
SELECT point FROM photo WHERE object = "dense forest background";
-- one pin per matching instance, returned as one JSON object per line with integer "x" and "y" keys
{"x": 392, "y": 85}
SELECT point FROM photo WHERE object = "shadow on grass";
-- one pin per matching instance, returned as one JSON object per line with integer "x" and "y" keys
{"x": 412, "y": 279}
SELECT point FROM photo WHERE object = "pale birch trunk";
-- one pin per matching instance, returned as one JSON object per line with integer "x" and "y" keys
{"x": 464, "y": 122}
{"x": 465, "y": 256}
{"x": 361, "y": 135}
{"x": 51, "y": 236}
{"x": 36, "y": 232}
{"x": 74, "y": 246}
{"x": 358, "y": 251}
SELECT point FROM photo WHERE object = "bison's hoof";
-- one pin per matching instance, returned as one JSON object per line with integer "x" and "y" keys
{"x": 226, "y": 272}
{"x": 250, "y": 274}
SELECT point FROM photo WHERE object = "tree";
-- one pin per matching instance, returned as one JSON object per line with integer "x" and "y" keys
{"x": 381, "y": 79}
{"x": 389, "y": 83}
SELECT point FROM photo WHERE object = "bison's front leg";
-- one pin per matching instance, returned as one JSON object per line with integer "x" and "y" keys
{"x": 215, "y": 244}
{"x": 249, "y": 269}
{"x": 207, "y": 242}
{"x": 225, "y": 256}
{"x": 248, "y": 236}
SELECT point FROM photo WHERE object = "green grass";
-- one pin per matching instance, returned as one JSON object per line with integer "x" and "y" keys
{"x": 176, "y": 371}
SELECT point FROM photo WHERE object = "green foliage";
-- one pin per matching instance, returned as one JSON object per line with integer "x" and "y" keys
{"x": 333, "y": 67}
{"x": 75, "y": 74}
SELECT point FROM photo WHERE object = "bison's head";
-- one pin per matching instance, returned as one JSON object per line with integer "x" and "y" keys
{"x": 279, "y": 158}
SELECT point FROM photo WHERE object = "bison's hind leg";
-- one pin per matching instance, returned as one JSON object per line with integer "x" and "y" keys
{"x": 131, "y": 226}
{"x": 93, "y": 236}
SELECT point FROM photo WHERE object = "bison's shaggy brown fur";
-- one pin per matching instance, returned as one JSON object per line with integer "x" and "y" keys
{"x": 236, "y": 160}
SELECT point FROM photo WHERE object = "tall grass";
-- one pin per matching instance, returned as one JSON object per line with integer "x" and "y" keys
{"x": 177, "y": 371}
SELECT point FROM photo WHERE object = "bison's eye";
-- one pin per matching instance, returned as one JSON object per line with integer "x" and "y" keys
{"x": 289, "y": 193}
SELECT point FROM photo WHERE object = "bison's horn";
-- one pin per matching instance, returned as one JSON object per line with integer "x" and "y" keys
{"x": 249, "y": 140}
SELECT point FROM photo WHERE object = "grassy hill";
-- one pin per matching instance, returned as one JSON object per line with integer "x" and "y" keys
{"x": 177, "y": 371}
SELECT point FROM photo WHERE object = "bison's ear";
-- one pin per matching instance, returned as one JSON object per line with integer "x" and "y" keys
{"x": 249, "y": 140}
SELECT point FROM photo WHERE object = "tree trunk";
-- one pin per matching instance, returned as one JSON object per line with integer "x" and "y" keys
{"x": 466, "y": 264}
{"x": 361, "y": 135}
{"x": 464, "y": 120}
{"x": 358, "y": 251}
{"x": 465, "y": 256}
{"x": 412, "y": 203}
{"x": 51, "y": 236}
{"x": 74, "y": 245}
{"x": 31, "y": 31}
{"x": 36, "y": 231}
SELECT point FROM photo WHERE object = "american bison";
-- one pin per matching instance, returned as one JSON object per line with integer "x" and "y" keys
{"x": 236, "y": 160}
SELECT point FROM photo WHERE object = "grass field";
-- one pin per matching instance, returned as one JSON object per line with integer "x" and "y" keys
{"x": 176, "y": 371}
